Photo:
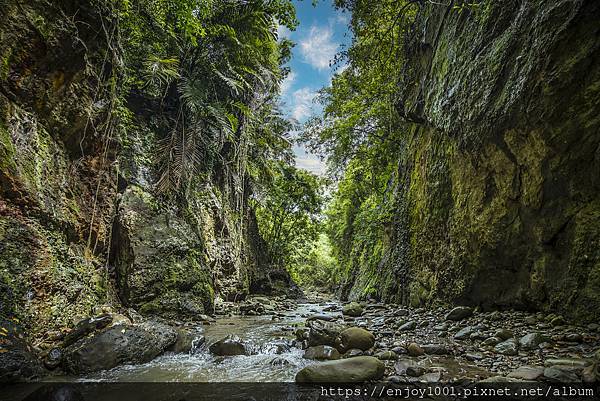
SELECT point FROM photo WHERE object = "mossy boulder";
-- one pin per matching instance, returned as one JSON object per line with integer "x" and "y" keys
{"x": 352, "y": 370}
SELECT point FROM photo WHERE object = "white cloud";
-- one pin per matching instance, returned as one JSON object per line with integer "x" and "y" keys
{"x": 287, "y": 83}
{"x": 302, "y": 103}
{"x": 311, "y": 163}
{"x": 318, "y": 47}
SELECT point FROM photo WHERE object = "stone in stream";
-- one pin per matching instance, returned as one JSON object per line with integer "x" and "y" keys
{"x": 321, "y": 332}
{"x": 459, "y": 313}
{"x": 386, "y": 355}
{"x": 435, "y": 349}
{"x": 464, "y": 333}
{"x": 321, "y": 353}
{"x": 352, "y": 309}
{"x": 491, "y": 341}
{"x": 85, "y": 327}
{"x": 503, "y": 334}
{"x": 355, "y": 337}
{"x": 415, "y": 371}
{"x": 186, "y": 341}
{"x": 351, "y": 353}
{"x": 408, "y": 326}
{"x": 413, "y": 349}
{"x": 574, "y": 337}
{"x": 532, "y": 340}
{"x": 228, "y": 346}
{"x": 508, "y": 347}
{"x": 327, "y": 318}
{"x": 351, "y": 370}
{"x": 556, "y": 374}
{"x": 529, "y": 373}
{"x": 117, "y": 345}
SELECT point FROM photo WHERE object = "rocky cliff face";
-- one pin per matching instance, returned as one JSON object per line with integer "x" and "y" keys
{"x": 80, "y": 224}
{"x": 498, "y": 200}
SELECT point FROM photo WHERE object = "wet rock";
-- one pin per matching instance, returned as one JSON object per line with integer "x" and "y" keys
{"x": 322, "y": 353}
{"x": 435, "y": 349}
{"x": 527, "y": 373}
{"x": 228, "y": 346}
{"x": 53, "y": 359}
{"x": 352, "y": 309}
{"x": 464, "y": 333}
{"x": 278, "y": 347}
{"x": 352, "y": 370}
{"x": 401, "y": 312}
{"x": 413, "y": 349}
{"x": 386, "y": 355}
{"x": 17, "y": 360}
{"x": 327, "y": 318}
{"x": 355, "y": 337}
{"x": 503, "y": 334}
{"x": 279, "y": 362}
{"x": 574, "y": 337}
{"x": 186, "y": 341}
{"x": 567, "y": 362}
{"x": 556, "y": 374}
{"x": 351, "y": 353}
{"x": 491, "y": 341}
{"x": 415, "y": 371}
{"x": 459, "y": 313}
{"x": 85, "y": 327}
{"x": 473, "y": 356}
{"x": 323, "y": 333}
{"x": 532, "y": 340}
{"x": 408, "y": 326}
{"x": 117, "y": 345}
{"x": 301, "y": 334}
{"x": 508, "y": 347}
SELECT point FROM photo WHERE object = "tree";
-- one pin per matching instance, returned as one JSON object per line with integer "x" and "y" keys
{"x": 289, "y": 215}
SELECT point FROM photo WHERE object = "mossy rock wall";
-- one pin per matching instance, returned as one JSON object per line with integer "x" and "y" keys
{"x": 498, "y": 190}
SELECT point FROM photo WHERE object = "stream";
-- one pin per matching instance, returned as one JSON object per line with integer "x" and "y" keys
{"x": 270, "y": 359}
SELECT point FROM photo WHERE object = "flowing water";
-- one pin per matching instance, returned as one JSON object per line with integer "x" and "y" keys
{"x": 263, "y": 337}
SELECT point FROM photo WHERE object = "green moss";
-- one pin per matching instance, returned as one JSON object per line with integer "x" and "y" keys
{"x": 7, "y": 150}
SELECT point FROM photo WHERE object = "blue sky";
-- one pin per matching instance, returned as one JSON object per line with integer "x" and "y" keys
{"x": 321, "y": 32}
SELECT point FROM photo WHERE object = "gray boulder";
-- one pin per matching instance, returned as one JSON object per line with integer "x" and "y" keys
{"x": 321, "y": 332}
{"x": 355, "y": 337}
{"x": 322, "y": 353}
{"x": 117, "y": 345}
{"x": 228, "y": 346}
{"x": 352, "y": 370}
{"x": 459, "y": 313}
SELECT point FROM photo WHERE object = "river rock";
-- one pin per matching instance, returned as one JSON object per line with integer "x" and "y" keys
{"x": 464, "y": 333}
{"x": 435, "y": 349}
{"x": 408, "y": 326}
{"x": 529, "y": 373}
{"x": 355, "y": 337}
{"x": 386, "y": 355}
{"x": 491, "y": 341}
{"x": 459, "y": 313}
{"x": 351, "y": 370}
{"x": 508, "y": 347}
{"x": 323, "y": 333}
{"x": 117, "y": 345}
{"x": 413, "y": 349}
{"x": 352, "y": 309}
{"x": 228, "y": 346}
{"x": 85, "y": 327}
{"x": 186, "y": 341}
{"x": 556, "y": 374}
{"x": 532, "y": 340}
{"x": 503, "y": 334}
{"x": 322, "y": 353}
{"x": 415, "y": 371}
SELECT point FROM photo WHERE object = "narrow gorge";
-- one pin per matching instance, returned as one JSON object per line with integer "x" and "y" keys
{"x": 157, "y": 223}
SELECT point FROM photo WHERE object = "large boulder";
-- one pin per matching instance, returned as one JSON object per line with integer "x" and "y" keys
{"x": 459, "y": 313}
{"x": 532, "y": 340}
{"x": 352, "y": 370}
{"x": 228, "y": 346}
{"x": 355, "y": 337}
{"x": 117, "y": 345}
{"x": 352, "y": 309}
{"x": 323, "y": 333}
{"x": 161, "y": 267}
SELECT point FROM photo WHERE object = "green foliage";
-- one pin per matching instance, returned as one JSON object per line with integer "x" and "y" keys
{"x": 316, "y": 267}
{"x": 360, "y": 132}
{"x": 288, "y": 216}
